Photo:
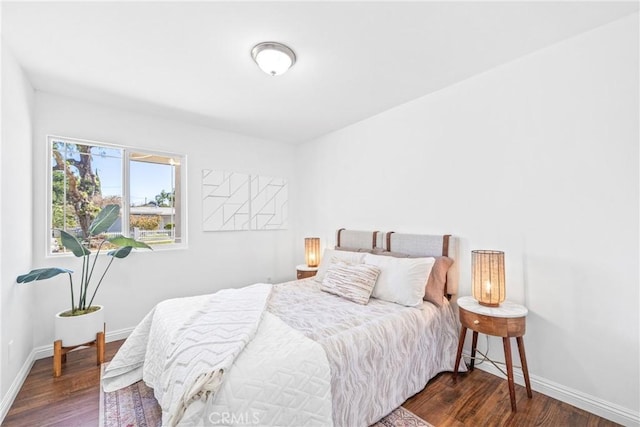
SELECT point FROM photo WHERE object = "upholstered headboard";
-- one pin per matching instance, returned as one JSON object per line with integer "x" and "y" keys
{"x": 414, "y": 245}
{"x": 354, "y": 239}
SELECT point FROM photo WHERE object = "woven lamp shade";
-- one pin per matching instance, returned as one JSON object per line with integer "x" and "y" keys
{"x": 487, "y": 277}
{"x": 312, "y": 251}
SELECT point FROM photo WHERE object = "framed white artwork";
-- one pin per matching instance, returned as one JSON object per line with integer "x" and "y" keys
{"x": 225, "y": 201}
{"x": 269, "y": 203}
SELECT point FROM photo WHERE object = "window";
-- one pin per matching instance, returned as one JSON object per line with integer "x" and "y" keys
{"x": 86, "y": 176}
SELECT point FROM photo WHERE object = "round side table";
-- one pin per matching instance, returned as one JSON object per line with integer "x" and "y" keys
{"x": 303, "y": 271}
{"x": 506, "y": 321}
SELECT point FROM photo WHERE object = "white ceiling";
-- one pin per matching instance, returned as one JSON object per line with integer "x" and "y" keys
{"x": 192, "y": 61}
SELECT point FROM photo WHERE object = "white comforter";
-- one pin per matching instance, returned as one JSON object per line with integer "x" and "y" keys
{"x": 220, "y": 360}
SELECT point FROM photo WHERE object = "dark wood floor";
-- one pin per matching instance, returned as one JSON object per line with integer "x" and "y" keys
{"x": 476, "y": 399}
{"x": 482, "y": 399}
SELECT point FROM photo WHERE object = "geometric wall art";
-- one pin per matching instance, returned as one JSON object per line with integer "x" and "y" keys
{"x": 225, "y": 201}
{"x": 269, "y": 203}
{"x": 234, "y": 201}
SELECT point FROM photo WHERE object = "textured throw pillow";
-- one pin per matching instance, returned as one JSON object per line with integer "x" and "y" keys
{"x": 401, "y": 280}
{"x": 434, "y": 291}
{"x": 331, "y": 254}
{"x": 351, "y": 281}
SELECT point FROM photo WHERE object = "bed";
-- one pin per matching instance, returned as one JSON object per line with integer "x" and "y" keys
{"x": 302, "y": 352}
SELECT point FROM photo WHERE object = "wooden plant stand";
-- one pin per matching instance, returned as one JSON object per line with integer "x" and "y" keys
{"x": 60, "y": 352}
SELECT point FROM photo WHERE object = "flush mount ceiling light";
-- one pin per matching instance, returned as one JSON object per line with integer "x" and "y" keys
{"x": 273, "y": 58}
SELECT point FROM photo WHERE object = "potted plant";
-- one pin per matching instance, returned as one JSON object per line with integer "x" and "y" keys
{"x": 81, "y": 323}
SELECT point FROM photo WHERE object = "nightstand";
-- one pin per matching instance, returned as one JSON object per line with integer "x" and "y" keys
{"x": 304, "y": 271}
{"x": 506, "y": 321}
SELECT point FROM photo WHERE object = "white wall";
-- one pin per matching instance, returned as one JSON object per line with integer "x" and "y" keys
{"x": 214, "y": 260}
{"x": 16, "y": 301}
{"x": 539, "y": 158}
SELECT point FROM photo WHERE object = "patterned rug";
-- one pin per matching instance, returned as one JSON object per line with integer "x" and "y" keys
{"x": 135, "y": 406}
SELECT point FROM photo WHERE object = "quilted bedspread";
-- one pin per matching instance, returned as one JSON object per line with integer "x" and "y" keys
{"x": 380, "y": 353}
{"x": 220, "y": 360}
{"x": 281, "y": 378}
{"x": 315, "y": 360}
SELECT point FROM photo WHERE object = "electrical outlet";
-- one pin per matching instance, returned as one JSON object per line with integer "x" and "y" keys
{"x": 9, "y": 351}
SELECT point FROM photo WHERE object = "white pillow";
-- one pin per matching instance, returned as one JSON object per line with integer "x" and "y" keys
{"x": 331, "y": 254}
{"x": 351, "y": 281}
{"x": 401, "y": 280}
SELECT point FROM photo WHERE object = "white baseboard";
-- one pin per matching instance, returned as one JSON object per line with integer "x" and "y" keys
{"x": 16, "y": 385}
{"x": 40, "y": 353}
{"x": 595, "y": 405}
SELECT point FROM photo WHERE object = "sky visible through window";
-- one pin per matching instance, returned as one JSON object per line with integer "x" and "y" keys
{"x": 147, "y": 179}
{"x": 86, "y": 177}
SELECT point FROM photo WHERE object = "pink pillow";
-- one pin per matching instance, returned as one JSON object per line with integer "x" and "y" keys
{"x": 434, "y": 290}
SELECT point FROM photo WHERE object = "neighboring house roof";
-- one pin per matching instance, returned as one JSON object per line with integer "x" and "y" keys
{"x": 151, "y": 210}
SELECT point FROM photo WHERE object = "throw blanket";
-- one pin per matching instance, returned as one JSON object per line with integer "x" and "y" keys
{"x": 189, "y": 364}
{"x": 279, "y": 378}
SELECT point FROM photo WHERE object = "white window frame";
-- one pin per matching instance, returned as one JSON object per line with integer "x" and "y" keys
{"x": 125, "y": 208}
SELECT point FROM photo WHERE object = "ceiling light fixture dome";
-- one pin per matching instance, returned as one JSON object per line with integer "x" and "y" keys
{"x": 273, "y": 58}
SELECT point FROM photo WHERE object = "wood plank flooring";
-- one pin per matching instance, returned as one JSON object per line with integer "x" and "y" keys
{"x": 482, "y": 399}
{"x": 476, "y": 399}
{"x": 71, "y": 400}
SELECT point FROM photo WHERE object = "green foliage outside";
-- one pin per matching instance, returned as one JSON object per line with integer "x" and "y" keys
{"x": 60, "y": 207}
{"x": 76, "y": 195}
{"x": 165, "y": 199}
{"x": 144, "y": 222}
{"x": 59, "y": 213}
{"x": 76, "y": 185}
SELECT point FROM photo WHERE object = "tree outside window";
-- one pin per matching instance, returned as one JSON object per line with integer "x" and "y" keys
{"x": 87, "y": 176}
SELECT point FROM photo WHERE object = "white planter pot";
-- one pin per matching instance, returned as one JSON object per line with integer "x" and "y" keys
{"x": 77, "y": 330}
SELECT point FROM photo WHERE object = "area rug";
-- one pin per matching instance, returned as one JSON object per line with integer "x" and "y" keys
{"x": 135, "y": 406}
